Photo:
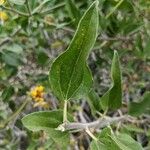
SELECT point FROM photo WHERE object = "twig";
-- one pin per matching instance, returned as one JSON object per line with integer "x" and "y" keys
{"x": 57, "y": 26}
{"x": 15, "y": 32}
{"x": 39, "y": 7}
{"x": 120, "y": 38}
{"x": 114, "y": 9}
{"x": 46, "y": 36}
{"x": 100, "y": 123}
{"x": 53, "y": 8}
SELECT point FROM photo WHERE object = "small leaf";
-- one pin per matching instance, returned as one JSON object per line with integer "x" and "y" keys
{"x": 15, "y": 48}
{"x": 69, "y": 75}
{"x": 136, "y": 109}
{"x": 42, "y": 58}
{"x": 113, "y": 97}
{"x": 11, "y": 58}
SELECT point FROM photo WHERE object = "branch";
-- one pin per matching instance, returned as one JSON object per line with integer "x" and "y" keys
{"x": 119, "y": 38}
{"x": 53, "y": 8}
{"x": 100, "y": 123}
{"x": 39, "y": 7}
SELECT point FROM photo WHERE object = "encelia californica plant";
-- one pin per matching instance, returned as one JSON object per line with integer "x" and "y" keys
{"x": 71, "y": 79}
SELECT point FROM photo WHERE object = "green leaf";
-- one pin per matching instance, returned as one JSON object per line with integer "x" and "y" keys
{"x": 48, "y": 121}
{"x": 110, "y": 141}
{"x": 124, "y": 141}
{"x": 136, "y": 109}
{"x": 15, "y": 48}
{"x": 113, "y": 97}
{"x": 61, "y": 139}
{"x": 104, "y": 141}
{"x": 70, "y": 76}
{"x": 73, "y": 11}
{"x": 42, "y": 58}
{"x": 11, "y": 58}
{"x": 7, "y": 93}
{"x": 43, "y": 120}
{"x": 97, "y": 145}
{"x": 7, "y": 71}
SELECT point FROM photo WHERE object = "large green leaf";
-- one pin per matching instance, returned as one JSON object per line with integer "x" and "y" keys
{"x": 69, "y": 73}
{"x": 43, "y": 120}
{"x": 143, "y": 106}
{"x": 113, "y": 97}
{"x": 48, "y": 121}
{"x": 109, "y": 141}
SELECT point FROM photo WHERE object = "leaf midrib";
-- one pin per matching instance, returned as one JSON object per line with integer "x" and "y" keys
{"x": 69, "y": 85}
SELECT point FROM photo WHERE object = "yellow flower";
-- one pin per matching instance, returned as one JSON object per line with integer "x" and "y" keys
{"x": 3, "y": 16}
{"x": 40, "y": 88}
{"x": 2, "y": 2}
{"x": 33, "y": 94}
{"x": 37, "y": 94}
